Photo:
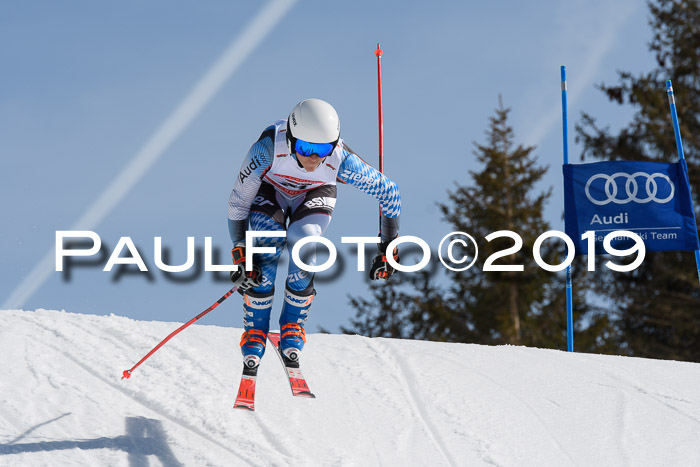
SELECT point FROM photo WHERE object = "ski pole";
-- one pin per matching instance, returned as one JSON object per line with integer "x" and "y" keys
{"x": 127, "y": 373}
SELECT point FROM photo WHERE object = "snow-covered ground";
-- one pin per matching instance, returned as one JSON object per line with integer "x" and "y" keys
{"x": 379, "y": 401}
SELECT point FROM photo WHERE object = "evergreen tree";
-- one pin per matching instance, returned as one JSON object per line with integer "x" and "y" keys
{"x": 658, "y": 305}
{"x": 407, "y": 306}
{"x": 500, "y": 198}
{"x": 489, "y": 307}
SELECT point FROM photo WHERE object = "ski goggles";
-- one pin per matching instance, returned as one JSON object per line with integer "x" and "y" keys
{"x": 306, "y": 148}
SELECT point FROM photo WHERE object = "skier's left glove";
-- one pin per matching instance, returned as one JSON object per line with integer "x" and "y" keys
{"x": 243, "y": 279}
{"x": 381, "y": 269}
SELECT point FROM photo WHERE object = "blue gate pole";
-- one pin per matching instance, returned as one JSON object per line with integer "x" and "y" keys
{"x": 679, "y": 146}
{"x": 569, "y": 290}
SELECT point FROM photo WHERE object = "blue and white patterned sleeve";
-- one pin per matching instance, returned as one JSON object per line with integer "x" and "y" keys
{"x": 358, "y": 173}
{"x": 256, "y": 163}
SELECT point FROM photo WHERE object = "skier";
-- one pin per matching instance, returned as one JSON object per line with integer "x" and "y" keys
{"x": 288, "y": 182}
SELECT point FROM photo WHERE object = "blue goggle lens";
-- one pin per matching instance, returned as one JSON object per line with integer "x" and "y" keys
{"x": 305, "y": 148}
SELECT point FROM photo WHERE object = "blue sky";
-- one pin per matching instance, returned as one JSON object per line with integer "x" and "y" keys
{"x": 86, "y": 86}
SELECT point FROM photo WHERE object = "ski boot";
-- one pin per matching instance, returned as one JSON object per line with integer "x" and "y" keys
{"x": 295, "y": 312}
{"x": 256, "y": 322}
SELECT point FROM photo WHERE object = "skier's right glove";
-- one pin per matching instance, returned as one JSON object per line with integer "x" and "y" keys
{"x": 243, "y": 279}
{"x": 381, "y": 269}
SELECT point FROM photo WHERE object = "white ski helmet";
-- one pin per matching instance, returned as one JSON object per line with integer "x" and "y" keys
{"x": 315, "y": 121}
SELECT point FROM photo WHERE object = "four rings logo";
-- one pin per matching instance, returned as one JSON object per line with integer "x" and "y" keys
{"x": 631, "y": 188}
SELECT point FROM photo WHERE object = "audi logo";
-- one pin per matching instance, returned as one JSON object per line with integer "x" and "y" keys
{"x": 631, "y": 188}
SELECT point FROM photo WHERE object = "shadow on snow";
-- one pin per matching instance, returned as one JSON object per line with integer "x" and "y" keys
{"x": 144, "y": 437}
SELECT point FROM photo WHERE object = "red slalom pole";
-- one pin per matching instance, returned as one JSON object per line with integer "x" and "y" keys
{"x": 378, "y": 53}
{"x": 127, "y": 373}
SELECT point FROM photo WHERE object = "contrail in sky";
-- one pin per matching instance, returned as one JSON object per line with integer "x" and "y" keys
{"x": 183, "y": 115}
{"x": 603, "y": 41}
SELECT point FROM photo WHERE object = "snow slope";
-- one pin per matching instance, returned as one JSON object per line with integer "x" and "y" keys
{"x": 379, "y": 401}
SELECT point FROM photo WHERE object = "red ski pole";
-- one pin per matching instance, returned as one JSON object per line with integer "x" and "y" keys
{"x": 127, "y": 373}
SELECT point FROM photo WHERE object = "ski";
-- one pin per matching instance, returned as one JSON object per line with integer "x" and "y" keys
{"x": 246, "y": 391}
{"x": 296, "y": 378}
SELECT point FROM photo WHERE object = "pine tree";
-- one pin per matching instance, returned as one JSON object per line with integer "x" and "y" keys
{"x": 407, "y": 306}
{"x": 498, "y": 304}
{"x": 660, "y": 313}
{"x": 526, "y": 307}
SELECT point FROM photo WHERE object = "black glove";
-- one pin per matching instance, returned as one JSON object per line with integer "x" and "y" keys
{"x": 243, "y": 279}
{"x": 381, "y": 269}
